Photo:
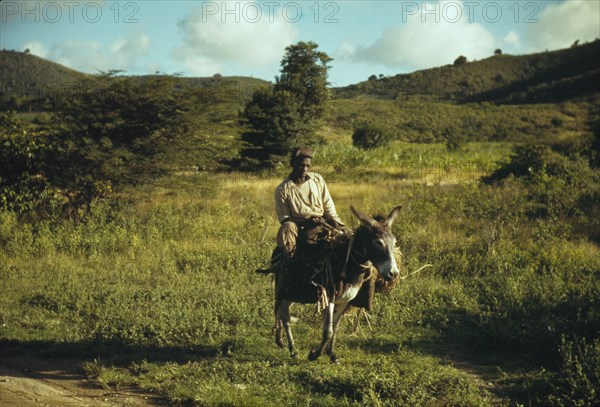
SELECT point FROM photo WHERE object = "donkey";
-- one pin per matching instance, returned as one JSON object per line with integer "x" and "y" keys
{"x": 348, "y": 274}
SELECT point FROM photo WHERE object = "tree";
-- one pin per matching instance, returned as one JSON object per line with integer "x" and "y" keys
{"x": 105, "y": 132}
{"x": 274, "y": 127}
{"x": 287, "y": 115}
{"x": 461, "y": 60}
{"x": 304, "y": 75}
{"x": 498, "y": 51}
{"x": 112, "y": 130}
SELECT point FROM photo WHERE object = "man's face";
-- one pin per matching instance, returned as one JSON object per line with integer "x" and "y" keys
{"x": 301, "y": 166}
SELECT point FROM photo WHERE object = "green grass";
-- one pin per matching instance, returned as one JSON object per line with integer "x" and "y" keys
{"x": 157, "y": 290}
{"x": 416, "y": 121}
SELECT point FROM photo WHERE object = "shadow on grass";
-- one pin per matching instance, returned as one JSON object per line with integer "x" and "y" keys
{"x": 64, "y": 361}
{"x": 513, "y": 354}
{"x": 115, "y": 353}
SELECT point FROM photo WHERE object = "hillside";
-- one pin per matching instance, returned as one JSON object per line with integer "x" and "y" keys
{"x": 548, "y": 77}
{"x": 544, "y": 77}
{"x": 27, "y": 79}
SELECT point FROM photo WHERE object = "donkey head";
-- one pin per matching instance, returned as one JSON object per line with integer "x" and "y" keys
{"x": 378, "y": 241}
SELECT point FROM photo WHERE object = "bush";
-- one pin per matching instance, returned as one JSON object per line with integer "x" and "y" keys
{"x": 461, "y": 60}
{"x": 579, "y": 383}
{"x": 530, "y": 160}
{"x": 367, "y": 136}
{"x": 23, "y": 185}
{"x": 108, "y": 131}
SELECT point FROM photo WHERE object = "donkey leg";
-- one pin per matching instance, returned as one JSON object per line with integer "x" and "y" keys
{"x": 338, "y": 313}
{"x": 327, "y": 332}
{"x": 283, "y": 319}
{"x": 278, "y": 327}
{"x": 278, "y": 306}
{"x": 278, "y": 323}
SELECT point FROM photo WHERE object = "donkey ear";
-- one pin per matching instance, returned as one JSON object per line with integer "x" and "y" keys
{"x": 390, "y": 219}
{"x": 364, "y": 219}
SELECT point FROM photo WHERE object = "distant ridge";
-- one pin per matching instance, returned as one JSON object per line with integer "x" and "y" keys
{"x": 543, "y": 77}
{"x": 568, "y": 74}
{"x": 24, "y": 76}
{"x": 25, "y": 80}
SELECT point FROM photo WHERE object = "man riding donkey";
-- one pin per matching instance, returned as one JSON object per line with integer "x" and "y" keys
{"x": 319, "y": 260}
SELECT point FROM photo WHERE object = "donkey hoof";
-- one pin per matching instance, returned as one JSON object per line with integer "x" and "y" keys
{"x": 313, "y": 355}
{"x": 333, "y": 358}
{"x": 294, "y": 355}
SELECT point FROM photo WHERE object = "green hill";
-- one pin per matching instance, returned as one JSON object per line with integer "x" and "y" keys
{"x": 27, "y": 81}
{"x": 534, "y": 96}
{"x": 548, "y": 77}
{"x": 26, "y": 77}
{"x": 544, "y": 77}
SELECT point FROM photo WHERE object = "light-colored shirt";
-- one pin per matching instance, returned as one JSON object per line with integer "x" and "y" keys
{"x": 304, "y": 201}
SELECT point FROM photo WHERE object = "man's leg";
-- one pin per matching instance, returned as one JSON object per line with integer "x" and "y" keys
{"x": 287, "y": 238}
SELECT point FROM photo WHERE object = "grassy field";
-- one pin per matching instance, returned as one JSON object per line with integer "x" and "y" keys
{"x": 156, "y": 289}
{"x": 420, "y": 122}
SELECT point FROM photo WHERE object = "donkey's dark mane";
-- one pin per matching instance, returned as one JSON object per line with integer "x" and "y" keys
{"x": 365, "y": 231}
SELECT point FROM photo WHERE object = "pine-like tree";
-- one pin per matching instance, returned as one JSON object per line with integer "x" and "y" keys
{"x": 289, "y": 114}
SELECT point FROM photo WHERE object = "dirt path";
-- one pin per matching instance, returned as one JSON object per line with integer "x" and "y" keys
{"x": 484, "y": 376}
{"x": 27, "y": 381}
{"x": 484, "y": 371}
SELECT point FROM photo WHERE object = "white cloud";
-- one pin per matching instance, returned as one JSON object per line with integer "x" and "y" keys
{"x": 36, "y": 48}
{"x": 512, "y": 39}
{"x": 427, "y": 40}
{"x": 560, "y": 25}
{"x": 85, "y": 56}
{"x": 345, "y": 52}
{"x": 201, "y": 66}
{"x": 211, "y": 41}
{"x": 125, "y": 53}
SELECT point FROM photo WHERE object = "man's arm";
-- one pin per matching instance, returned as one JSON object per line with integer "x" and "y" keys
{"x": 329, "y": 211}
{"x": 282, "y": 208}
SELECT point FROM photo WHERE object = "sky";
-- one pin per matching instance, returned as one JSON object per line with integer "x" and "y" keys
{"x": 248, "y": 38}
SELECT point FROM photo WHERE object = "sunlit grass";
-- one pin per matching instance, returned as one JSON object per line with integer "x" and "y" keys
{"x": 159, "y": 291}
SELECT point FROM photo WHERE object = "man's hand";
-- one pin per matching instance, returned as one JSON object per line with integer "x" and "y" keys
{"x": 336, "y": 224}
{"x": 345, "y": 230}
{"x": 342, "y": 228}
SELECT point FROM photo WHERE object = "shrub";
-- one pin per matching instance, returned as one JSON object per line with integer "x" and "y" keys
{"x": 461, "y": 60}
{"x": 528, "y": 160}
{"x": 579, "y": 383}
{"x": 23, "y": 185}
{"x": 367, "y": 136}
